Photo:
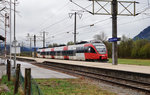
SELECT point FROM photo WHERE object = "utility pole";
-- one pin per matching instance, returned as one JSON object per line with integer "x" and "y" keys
{"x": 10, "y": 30}
{"x": 30, "y": 41}
{"x": 30, "y": 46}
{"x": 34, "y": 46}
{"x": 6, "y": 25}
{"x": 75, "y": 24}
{"x": 114, "y": 32}
{"x": 124, "y": 11}
{"x": 5, "y": 32}
{"x": 15, "y": 33}
{"x": 44, "y": 36}
{"x": 44, "y": 39}
{"x": 33, "y": 38}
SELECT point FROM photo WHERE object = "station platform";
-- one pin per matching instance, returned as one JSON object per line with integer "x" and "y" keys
{"x": 122, "y": 67}
{"x": 41, "y": 73}
{"x": 2, "y": 68}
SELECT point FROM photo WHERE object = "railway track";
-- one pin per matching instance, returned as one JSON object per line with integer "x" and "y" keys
{"x": 123, "y": 81}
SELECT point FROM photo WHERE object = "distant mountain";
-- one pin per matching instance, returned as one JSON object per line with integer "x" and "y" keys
{"x": 23, "y": 49}
{"x": 145, "y": 34}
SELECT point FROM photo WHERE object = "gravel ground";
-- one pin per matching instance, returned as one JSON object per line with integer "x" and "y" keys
{"x": 119, "y": 90}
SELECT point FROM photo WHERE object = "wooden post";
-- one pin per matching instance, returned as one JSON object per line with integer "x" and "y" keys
{"x": 8, "y": 70}
{"x": 17, "y": 79}
{"x": 27, "y": 88}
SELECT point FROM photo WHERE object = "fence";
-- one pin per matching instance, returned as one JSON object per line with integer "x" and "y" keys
{"x": 33, "y": 88}
{"x": 27, "y": 83}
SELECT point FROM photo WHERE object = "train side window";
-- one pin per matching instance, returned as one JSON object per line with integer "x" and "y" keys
{"x": 86, "y": 49}
{"x": 53, "y": 53}
{"x": 74, "y": 52}
{"x": 50, "y": 53}
{"x": 82, "y": 49}
{"x": 65, "y": 53}
{"x": 43, "y": 53}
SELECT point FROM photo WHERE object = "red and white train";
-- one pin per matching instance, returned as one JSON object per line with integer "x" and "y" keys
{"x": 93, "y": 50}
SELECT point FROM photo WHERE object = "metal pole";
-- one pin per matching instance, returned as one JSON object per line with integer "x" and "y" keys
{"x": 43, "y": 39}
{"x": 5, "y": 31}
{"x": 10, "y": 30}
{"x": 15, "y": 33}
{"x": 114, "y": 32}
{"x": 30, "y": 46}
{"x": 75, "y": 22}
{"x": 34, "y": 46}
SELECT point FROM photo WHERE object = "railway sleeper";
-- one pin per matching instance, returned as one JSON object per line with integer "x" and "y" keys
{"x": 132, "y": 84}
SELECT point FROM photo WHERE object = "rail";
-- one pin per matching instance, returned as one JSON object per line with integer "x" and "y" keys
{"x": 137, "y": 81}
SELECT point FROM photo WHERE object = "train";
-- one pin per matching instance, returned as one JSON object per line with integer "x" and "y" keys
{"x": 94, "y": 50}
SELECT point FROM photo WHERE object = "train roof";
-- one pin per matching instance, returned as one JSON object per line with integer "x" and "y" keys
{"x": 79, "y": 43}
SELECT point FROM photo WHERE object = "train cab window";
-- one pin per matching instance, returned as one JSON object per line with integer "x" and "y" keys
{"x": 91, "y": 50}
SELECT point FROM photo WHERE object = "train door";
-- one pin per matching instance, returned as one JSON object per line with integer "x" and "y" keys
{"x": 64, "y": 53}
{"x": 80, "y": 53}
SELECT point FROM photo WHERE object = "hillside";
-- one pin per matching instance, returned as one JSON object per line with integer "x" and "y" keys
{"x": 23, "y": 49}
{"x": 145, "y": 34}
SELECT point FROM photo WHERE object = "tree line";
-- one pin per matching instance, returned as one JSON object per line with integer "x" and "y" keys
{"x": 128, "y": 48}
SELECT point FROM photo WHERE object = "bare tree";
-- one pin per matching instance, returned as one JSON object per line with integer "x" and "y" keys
{"x": 102, "y": 36}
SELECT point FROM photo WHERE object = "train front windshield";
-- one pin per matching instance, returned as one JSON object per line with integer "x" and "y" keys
{"x": 101, "y": 49}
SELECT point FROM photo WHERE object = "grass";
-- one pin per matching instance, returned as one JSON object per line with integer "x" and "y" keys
{"x": 142, "y": 62}
{"x": 9, "y": 84}
{"x": 69, "y": 87}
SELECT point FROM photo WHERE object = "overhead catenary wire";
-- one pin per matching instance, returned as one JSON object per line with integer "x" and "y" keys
{"x": 81, "y": 7}
{"x": 55, "y": 23}
{"x": 89, "y": 25}
{"x": 64, "y": 28}
{"x": 84, "y": 18}
{"x": 109, "y": 28}
{"x": 60, "y": 9}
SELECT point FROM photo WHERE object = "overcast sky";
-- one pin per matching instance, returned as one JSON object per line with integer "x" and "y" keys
{"x": 51, "y": 16}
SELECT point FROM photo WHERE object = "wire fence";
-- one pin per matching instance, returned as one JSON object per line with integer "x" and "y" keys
{"x": 35, "y": 90}
{"x": 21, "y": 80}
